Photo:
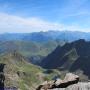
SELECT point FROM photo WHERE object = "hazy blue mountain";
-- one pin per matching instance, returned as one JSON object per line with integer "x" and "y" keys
{"x": 46, "y": 36}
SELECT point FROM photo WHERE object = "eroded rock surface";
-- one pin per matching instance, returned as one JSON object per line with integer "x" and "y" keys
{"x": 78, "y": 86}
{"x": 67, "y": 81}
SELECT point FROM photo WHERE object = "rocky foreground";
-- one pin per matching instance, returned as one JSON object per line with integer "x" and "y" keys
{"x": 78, "y": 86}
{"x": 70, "y": 82}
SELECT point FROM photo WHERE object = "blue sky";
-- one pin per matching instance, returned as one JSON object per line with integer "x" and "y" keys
{"x": 43, "y": 15}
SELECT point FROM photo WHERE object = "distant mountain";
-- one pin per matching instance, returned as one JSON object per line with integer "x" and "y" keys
{"x": 46, "y": 36}
{"x": 74, "y": 57}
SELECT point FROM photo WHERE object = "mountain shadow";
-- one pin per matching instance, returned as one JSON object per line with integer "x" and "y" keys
{"x": 72, "y": 57}
{"x": 83, "y": 64}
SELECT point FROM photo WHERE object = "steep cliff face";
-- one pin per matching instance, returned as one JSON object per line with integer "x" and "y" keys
{"x": 79, "y": 86}
{"x": 73, "y": 57}
{"x": 66, "y": 54}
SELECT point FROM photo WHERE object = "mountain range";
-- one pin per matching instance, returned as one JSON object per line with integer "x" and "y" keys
{"x": 46, "y": 36}
{"x": 28, "y": 59}
{"x": 72, "y": 57}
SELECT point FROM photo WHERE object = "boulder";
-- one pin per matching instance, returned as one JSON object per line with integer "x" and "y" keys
{"x": 69, "y": 80}
{"x": 41, "y": 86}
{"x": 46, "y": 85}
{"x": 71, "y": 77}
{"x": 58, "y": 83}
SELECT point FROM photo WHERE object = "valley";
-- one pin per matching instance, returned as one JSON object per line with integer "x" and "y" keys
{"x": 28, "y": 63}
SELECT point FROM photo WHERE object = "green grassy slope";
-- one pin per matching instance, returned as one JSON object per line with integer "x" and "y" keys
{"x": 29, "y": 48}
{"x": 21, "y": 74}
{"x": 18, "y": 72}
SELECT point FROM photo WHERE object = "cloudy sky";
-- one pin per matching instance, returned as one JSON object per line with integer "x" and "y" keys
{"x": 43, "y": 15}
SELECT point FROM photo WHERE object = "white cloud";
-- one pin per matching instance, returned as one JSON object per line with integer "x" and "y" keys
{"x": 10, "y": 23}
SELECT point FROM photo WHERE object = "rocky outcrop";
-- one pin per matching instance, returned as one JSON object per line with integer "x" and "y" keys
{"x": 68, "y": 80}
{"x": 78, "y": 86}
{"x": 2, "y": 77}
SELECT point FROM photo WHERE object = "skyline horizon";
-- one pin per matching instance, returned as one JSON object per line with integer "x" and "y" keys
{"x": 44, "y": 32}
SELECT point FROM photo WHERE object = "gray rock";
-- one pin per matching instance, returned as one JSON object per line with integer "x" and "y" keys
{"x": 68, "y": 80}
{"x": 78, "y": 86}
